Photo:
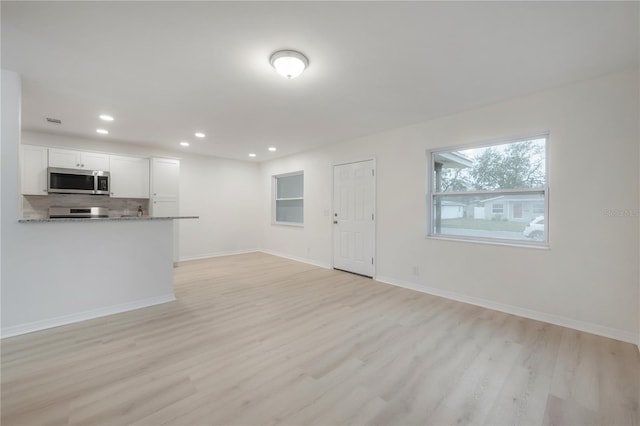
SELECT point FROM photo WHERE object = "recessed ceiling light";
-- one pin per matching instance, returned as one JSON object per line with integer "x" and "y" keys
{"x": 252, "y": 155}
{"x": 272, "y": 149}
{"x": 102, "y": 131}
{"x": 106, "y": 117}
{"x": 289, "y": 63}
{"x": 199, "y": 135}
{"x": 184, "y": 143}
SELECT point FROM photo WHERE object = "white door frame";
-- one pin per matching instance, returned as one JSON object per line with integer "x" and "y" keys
{"x": 375, "y": 210}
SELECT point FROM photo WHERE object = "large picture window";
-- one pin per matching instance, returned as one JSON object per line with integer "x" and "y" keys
{"x": 490, "y": 192}
{"x": 288, "y": 206}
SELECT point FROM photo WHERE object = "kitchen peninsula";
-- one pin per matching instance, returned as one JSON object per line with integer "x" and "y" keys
{"x": 83, "y": 268}
{"x": 83, "y": 250}
{"x": 61, "y": 271}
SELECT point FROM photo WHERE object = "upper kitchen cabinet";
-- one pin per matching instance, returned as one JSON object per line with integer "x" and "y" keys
{"x": 71, "y": 159}
{"x": 165, "y": 174}
{"x": 129, "y": 177}
{"x": 33, "y": 170}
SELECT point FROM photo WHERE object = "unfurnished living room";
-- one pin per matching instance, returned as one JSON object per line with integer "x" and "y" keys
{"x": 320, "y": 213}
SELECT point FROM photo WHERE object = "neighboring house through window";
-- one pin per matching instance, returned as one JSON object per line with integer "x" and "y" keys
{"x": 497, "y": 188}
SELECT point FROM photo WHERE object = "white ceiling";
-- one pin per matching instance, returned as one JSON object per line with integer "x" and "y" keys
{"x": 167, "y": 69}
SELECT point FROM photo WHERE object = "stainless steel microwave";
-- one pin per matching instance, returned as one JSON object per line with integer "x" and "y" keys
{"x": 72, "y": 181}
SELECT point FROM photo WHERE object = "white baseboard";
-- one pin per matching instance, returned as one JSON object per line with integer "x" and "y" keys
{"x": 83, "y": 316}
{"x": 600, "y": 330}
{"x": 217, "y": 254}
{"x": 297, "y": 259}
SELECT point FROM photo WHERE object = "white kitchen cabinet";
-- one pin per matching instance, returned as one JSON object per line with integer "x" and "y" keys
{"x": 33, "y": 170}
{"x": 165, "y": 175}
{"x": 72, "y": 159}
{"x": 164, "y": 208}
{"x": 129, "y": 177}
{"x": 165, "y": 185}
{"x": 94, "y": 161}
{"x": 65, "y": 158}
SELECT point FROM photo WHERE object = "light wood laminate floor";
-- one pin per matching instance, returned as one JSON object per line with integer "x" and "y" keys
{"x": 256, "y": 339}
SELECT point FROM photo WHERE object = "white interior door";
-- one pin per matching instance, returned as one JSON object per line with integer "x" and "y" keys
{"x": 354, "y": 217}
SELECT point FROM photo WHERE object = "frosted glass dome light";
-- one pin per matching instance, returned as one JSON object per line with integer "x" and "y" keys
{"x": 289, "y": 63}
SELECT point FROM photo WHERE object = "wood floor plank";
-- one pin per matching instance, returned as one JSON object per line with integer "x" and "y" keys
{"x": 257, "y": 339}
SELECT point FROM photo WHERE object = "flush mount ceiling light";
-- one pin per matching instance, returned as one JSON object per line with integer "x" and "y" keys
{"x": 272, "y": 149}
{"x": 106, "y": 117}
{"x": 289, "y": 63}
{"x": 199, "y": 135}
{"x": 184, "y": 143}
{"x": 252, "y": 155}
{"x": 102, "y": 131}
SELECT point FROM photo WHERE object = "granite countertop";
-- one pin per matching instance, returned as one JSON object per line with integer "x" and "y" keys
{"x": 110, "y": 218}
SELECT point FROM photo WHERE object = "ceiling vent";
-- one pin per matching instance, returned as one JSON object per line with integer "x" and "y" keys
{"x": 54, "y": 120}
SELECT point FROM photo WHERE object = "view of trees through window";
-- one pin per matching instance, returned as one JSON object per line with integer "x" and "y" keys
{"x": 490, "y": 192}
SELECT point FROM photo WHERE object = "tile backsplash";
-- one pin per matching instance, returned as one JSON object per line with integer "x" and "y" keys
{"x": 37, "y": 206}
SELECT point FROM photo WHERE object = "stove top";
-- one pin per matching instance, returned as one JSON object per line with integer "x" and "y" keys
{"x": 78, "y": 212}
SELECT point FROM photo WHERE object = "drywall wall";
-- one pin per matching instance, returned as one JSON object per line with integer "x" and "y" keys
{"x": 219, "y": 191}
{"x": 587, "y": 279}
{"x": 222, "y": 193}
{"x": 56, "y": 273}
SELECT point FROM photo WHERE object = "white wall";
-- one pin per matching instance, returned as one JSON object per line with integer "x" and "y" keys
{"x": 220, "y": 191}
{"x": 588, "y": 278}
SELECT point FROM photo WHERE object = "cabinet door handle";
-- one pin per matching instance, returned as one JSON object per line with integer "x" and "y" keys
{"x": 77, "y": 164}
{"x": 81, "y": 165}
{"x": 44, "y": 190}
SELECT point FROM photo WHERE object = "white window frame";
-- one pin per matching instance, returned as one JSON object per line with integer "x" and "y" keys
{"x": 494, "y": 208}
{"x": 430, "y": 194}
{"x": 275, "y": 199}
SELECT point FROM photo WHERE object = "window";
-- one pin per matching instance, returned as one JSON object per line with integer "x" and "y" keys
{"x": 538, "y": 209}
{"x": 502, "y": 188}
{"x": 288, "y": 203}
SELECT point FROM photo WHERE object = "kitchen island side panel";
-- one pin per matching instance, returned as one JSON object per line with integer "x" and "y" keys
{"x": 57, "y": 273}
